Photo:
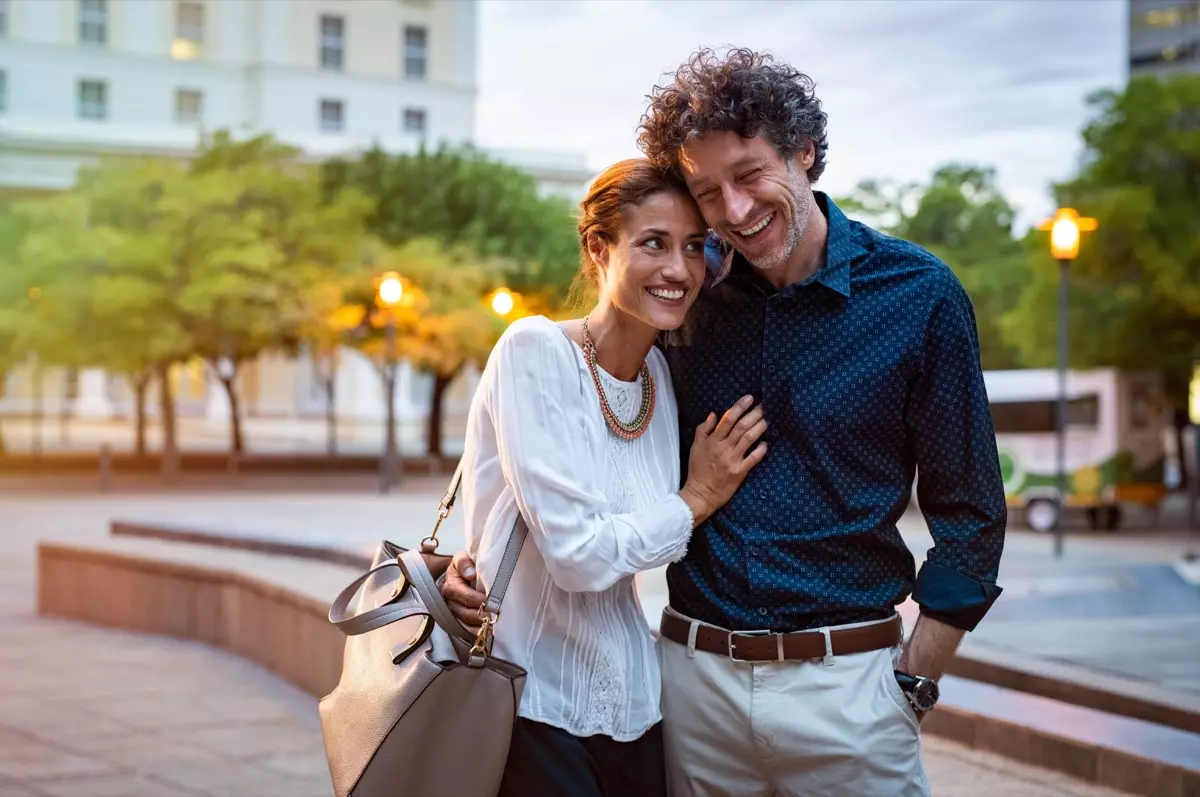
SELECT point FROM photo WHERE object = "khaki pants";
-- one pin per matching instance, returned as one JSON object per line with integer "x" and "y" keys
{"x": 796, "y": 728}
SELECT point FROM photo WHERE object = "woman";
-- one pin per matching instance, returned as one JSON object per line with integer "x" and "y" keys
{"x": 575, "y": 426}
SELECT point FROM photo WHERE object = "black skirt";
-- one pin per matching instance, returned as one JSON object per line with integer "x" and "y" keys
{"x": 545, "y": 761}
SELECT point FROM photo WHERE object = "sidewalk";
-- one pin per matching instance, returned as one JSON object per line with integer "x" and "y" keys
{"x": 87, "y": 712}
{"x": 1114, "y": 603}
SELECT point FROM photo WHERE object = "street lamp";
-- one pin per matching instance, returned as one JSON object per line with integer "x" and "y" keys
{"x": 391, "y": 290}
{"x": 503, "y": 302}
{"x": 1064, "y": 228}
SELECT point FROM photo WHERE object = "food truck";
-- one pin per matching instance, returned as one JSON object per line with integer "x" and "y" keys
{"x": 1114, "y": 442}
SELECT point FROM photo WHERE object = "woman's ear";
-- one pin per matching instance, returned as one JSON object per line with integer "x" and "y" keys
{"x": 597, "y": 248}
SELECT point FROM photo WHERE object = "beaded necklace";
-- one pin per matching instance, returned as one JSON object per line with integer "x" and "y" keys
{"x": 638, "y": 426}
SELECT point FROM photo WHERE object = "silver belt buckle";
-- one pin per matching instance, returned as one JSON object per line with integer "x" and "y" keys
{"x": 732, "y": 641}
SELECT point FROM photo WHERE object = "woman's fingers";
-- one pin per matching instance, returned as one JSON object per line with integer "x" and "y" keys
{"x": 732, "y": 416}
{"x": 754, "y": 457}
{"x": 750, "y": 435}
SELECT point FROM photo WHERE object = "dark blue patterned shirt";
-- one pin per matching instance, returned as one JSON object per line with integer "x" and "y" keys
{"x": 868, "y": 373}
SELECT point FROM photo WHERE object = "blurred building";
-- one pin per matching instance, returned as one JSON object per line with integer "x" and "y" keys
{"x": 1164, "y": 36}
{"x": 81, "y": 79}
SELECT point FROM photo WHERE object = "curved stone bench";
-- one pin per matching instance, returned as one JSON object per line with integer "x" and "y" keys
{"x": 272, "y": 610}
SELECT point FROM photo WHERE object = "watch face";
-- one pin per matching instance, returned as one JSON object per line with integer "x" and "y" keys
{"x": 925, "y": 693}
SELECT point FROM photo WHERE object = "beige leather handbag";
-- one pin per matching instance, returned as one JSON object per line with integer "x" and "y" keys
{"x": 422, "y": 707}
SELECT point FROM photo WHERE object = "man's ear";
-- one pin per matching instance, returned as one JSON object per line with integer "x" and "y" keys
{"x": 807, "y": 156}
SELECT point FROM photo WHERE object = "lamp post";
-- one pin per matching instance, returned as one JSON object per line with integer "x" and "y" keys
{"x": 1064, "y": 227}
{"x": 1191, "y": 554}
{"x": 391, "y": 290}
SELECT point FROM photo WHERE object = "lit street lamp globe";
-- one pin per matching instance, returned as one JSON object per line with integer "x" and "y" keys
{"x": 390, "y": 288}
{"x": 502, "y": 302}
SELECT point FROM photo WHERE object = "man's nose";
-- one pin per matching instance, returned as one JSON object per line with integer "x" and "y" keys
{"x": 738, "y": 206}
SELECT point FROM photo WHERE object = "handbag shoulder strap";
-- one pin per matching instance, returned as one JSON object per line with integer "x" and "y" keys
{"x": 512, "y": 550}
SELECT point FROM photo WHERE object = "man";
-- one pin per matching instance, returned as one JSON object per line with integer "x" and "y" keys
{"x": 783, "y": 671}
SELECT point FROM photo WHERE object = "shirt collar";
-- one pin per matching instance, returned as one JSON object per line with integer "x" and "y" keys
{"x": 842, "y": 248}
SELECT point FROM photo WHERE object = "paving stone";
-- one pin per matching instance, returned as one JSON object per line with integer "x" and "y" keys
{"x": 129, "y": 785}
{"x": 34, "y": 761}
{"x": 131, "y": 714}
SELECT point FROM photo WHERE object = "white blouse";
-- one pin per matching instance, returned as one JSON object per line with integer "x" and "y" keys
{"x": 599, "y": 509}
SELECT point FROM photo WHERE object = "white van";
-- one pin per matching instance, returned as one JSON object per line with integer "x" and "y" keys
{"x": 1114, "y": 442}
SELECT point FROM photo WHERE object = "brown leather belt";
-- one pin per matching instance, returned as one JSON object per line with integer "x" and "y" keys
{"x": 759, "y": 646}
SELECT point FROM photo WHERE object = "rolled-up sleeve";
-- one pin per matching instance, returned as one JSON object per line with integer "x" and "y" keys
{"x": 539, "y": 410}
{"x": 959, "y": 486}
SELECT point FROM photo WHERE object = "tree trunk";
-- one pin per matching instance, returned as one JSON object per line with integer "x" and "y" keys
{"x": 141, "y": 384}
{"x": 330, "y": 385}
{"x": 1186, "y": 469}
{"x": 433, "y": 432}
{"x": 235, "y": 414}
{"x": 170, "y": 445}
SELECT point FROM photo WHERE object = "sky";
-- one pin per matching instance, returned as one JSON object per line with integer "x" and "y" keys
{"x": 908, "y": 85}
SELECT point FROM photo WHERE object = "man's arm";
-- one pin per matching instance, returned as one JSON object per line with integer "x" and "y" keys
{"x": 959, "y": 488}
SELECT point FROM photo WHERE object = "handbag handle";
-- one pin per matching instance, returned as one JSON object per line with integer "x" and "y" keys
{"x": 374, "y": 618}
{"x": 413, "y": 566}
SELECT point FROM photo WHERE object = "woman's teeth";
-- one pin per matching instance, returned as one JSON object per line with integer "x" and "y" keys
{"x": 757, "y": 227}
{"x": 665, "y": 294}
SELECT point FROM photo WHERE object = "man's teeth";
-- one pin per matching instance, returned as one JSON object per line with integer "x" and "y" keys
{"x": 665, "y": 294}
{"x": 751, "y": 230}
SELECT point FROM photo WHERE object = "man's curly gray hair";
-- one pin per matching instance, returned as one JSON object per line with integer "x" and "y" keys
{"x": 743, "y": 92}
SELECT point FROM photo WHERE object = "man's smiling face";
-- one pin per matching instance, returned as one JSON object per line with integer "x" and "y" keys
{"x": 750, "y": 195}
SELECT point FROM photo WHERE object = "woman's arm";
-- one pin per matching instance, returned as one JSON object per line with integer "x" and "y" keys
{"x": 540, "y": 412}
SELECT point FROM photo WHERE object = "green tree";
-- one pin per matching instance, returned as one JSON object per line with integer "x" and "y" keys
{"x": 260, "y": 242}
{"x": 443, "y": 322}
{"x": 963, "y": 219}
{"x": 463, "y": 198}
{"x": 14, "y": 293}
{"x": 149, "y": 263}
{"x": 1135, "y": 287}
{"x": 100, "y": 259}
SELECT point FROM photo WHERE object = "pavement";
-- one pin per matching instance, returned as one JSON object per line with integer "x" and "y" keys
{"x": 87, "y": 711}
{"x": 1115, "y": 603}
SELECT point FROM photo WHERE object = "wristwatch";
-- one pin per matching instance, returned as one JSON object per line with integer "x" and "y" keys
{"x": 922, "y": 692}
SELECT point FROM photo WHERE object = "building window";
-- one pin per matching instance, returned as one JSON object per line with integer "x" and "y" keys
{"x": 189, "y": 106}
{"x": 3, "y": 18}
{"x": 1176, "y": 16}
{"x": 416, "y": 52}
{"x": 332, "y": 118}
{"x": 93, "y": 100}
{"x": 93, "y": 21}
{"x": 3, "y": 91}
{"x": 414, "y": 121}
{"x": 189, "y": 30}
{"x": 333, "y": 41}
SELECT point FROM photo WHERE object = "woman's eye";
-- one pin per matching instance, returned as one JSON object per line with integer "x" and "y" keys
{"x": 695, "y": 246}
{"x": 750, "y": 175}
{"x": 653, "y": 243}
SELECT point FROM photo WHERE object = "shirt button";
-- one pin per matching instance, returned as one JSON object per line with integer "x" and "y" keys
{"x": 762, "y": 494}
{"x": 762, "y": 610}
